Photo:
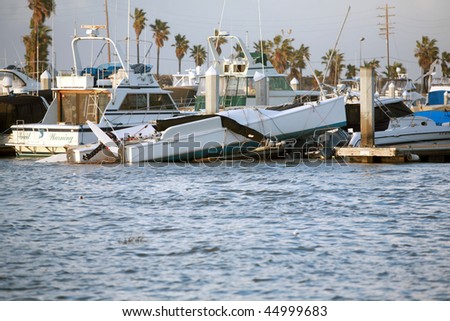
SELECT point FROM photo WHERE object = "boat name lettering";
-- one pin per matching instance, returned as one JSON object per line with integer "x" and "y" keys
{"x": 57, "y": 137}
{"x": 23, "y": 135}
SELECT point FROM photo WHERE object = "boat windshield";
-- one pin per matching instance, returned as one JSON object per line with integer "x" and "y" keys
{"x": 230, "y": 86}
{"x": 147, "y": 102}
{"x": 278, "y": 84}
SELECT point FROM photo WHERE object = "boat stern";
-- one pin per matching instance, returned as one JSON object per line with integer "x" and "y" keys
{"x": 43, "y": 140}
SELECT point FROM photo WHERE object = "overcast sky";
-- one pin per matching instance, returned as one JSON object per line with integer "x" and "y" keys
{"x": 315, "y": 24}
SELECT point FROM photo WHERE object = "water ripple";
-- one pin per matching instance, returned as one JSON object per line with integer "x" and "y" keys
{"x": 230, "y": 232}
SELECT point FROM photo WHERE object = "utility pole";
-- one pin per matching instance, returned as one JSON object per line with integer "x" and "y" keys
{"x": 385, "y": 30}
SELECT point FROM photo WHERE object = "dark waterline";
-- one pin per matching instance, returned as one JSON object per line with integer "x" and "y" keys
{"x": 228, "y": 232}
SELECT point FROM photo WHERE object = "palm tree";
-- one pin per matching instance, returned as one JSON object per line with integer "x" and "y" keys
{"x": 181, "y": 47}
{"x": 281, "y": 49}
{"x": 45, "y": 40}
{"x": 374, "y": 63}
{"x": 42, "y": 9}
{"x": 295, "y": 59}
{"x": 351, "y": 71}
{"x": 140, "y": 21}
{"x": 297, "y": 62}
{"x": 393, "y": 70}
{"x": 318, "y": 75}
{"x": 265, "y": 45}
{"x": 198, "y": 52}
{"x": 219, "y": 41}
{"x": 238, "y": 49}
{"x": 160, "y": 34}
{"x": 445, "y": 60}
{"x": 426, "y": 52}
{"x": 333, "y": 59}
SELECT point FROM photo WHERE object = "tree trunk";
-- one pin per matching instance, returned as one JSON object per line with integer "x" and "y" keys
{"x": 157, "y": 63}
{"x": 137, "y": 49}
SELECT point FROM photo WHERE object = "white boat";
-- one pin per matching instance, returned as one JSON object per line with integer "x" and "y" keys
{"x": 402, "y": 87}
{"x": 409, "y": 130}
{"x": 437, "y": 105}
{"x": 14, "y": 81}
{"x": 438, "y": 96}
{"x": 184, "y": 88}
{"x": 237, "y": 84}
{"x": 226, "y": 133}
{"x": 113, "y": 96}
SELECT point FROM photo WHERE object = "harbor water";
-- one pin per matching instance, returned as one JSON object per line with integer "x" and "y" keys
{"x": 224, "y": 231}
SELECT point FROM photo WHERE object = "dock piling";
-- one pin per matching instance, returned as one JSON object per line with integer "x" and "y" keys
{"x": 367, "y": 111}
{"x": 212, "y": 91}
{"x": 261, "y": 89}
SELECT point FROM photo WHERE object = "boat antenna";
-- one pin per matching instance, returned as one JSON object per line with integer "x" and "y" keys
{"x": 221, "y": 15}
{"x": 260, "y": 38}
{"x": 18, "y": 57}
{"x": 220, "y": 24}
{"x": 53, "y": 67}
{"x": 335, "y": 45}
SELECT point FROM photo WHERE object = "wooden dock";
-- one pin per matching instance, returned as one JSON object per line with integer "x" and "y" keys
{"x": 396, "y": 154}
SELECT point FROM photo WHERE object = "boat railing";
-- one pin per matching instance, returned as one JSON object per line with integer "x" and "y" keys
{"x": 20, "y": 134}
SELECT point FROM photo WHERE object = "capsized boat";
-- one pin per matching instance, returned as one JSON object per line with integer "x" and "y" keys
{"x": 186, "y": 138}
{"x": 113, "y": 96}
{"x": 226, "y": 133}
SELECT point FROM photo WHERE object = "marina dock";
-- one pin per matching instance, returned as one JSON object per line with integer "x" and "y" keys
{"x": 369, "y": 152}
{"x": 397, "y": 154}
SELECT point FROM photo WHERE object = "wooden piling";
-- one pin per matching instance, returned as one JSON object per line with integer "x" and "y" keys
{"x": 367, "y": 115}
{"x": 212, "y": 91}
{"x": 367, "y": 103}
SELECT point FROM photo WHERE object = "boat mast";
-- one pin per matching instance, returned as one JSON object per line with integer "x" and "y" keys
{"x": 261, "y": 39}
{"x": 334, "y": 48}
{"x": 107, "y": 30}
{"x": 37, "y": 55}
{"x": 127, "y": 60}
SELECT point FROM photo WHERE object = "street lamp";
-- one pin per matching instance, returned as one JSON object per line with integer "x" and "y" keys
{"x": 360, "y": 51}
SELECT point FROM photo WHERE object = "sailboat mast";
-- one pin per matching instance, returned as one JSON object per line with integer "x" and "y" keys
{"x": 128, "y": 38}
{"x": 107, "y": 30}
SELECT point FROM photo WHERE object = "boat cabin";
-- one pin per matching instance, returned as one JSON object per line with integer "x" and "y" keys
{"x": 76, "y": 107}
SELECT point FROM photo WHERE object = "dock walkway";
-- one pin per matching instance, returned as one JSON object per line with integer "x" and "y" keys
{"x": 397, "y": 154}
